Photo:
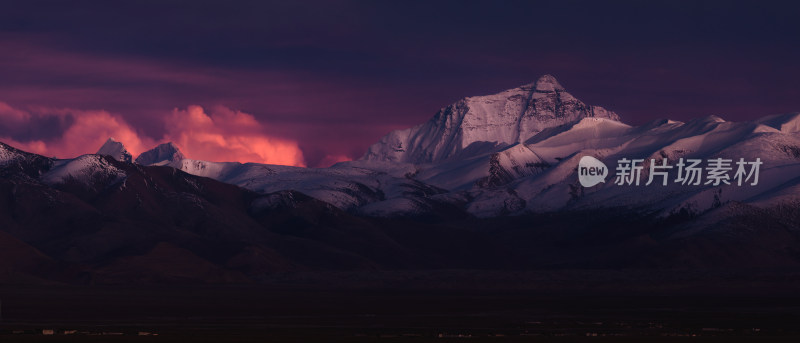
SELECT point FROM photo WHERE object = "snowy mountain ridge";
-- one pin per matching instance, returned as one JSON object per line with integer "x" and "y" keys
{"x": 116, "y": 150}
{"x": 482, "y": 123}
{"x": 511, "y": 153}
{"x": 163, "y": 154}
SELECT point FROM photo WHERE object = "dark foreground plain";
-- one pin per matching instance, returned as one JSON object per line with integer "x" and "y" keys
{"x": 441, "y": 306}
{"x": 191, "y": 259}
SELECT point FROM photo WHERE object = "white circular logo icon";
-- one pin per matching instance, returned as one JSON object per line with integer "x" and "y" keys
{"x": 591, "y": 171}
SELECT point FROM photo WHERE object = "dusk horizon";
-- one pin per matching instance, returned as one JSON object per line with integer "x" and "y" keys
{"x": 252, "y": 147}
{"x": 412, "y": 171}
{"x": 323, "y": 82}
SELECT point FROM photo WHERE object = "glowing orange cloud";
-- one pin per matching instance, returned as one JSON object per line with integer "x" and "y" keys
{"x": 88, "y": 131}
{"x": 91, "y": 129}
{"x": 12, "y": 115}
{"x": 225, "y": 135}
{"x": 228, "y": 135}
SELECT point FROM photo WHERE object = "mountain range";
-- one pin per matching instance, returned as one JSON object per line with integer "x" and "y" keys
{"x": 488, "y": 182}
{"x": 517, "y": 152}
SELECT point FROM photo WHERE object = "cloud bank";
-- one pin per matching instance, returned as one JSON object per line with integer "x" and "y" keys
{"x": 227, "y": 135}
{"x": 223, "y": 135}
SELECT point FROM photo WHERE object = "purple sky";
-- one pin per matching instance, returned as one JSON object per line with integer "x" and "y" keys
{"x": 327, "y": 79}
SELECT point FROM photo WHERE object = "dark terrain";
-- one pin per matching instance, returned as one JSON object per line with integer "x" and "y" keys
{"x": 161, "y": 225}
{"x": 322, "y": 313}
{"x": 191, "y": 258}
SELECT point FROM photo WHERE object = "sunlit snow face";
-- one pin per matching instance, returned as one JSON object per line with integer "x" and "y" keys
{"x": 591, "y": 171}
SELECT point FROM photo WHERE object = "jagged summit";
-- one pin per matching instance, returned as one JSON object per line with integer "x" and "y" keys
{"x": 547, "y": 83}
{"x": 163, "y": 154}
{"x": 116, "y": 150}
{"x": 482, "y": 123}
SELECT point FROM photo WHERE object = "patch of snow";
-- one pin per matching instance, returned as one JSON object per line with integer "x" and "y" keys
{"x": 163, "y": 154}
{"x": 7, "y": 155}
{"x": 504, "y": 119}
{"x": 85, "y": 169}
{"x": 116, "y": 150}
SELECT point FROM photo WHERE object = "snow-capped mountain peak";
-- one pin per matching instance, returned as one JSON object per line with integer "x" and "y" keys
{"x": 788, "y": 123}
{"x": 547, "y": 83}
{"x": 87, "y": 170}
{"x": 513, "y": 152}
{"x": 163, "y": 154}
{"x": 7, "y": 154}
{"x": 116, "y": 150}
{"x": 480, "y": 124}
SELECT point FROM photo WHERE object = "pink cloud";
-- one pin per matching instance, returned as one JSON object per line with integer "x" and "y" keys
{"x": 13, "y": 115}
{"x": 227, "y": 135}
{"x": 91, "y": 129}
{"x": 328, "y": 116}
{"x": 34, "y": 146}
{"x": 86, "y": 133}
